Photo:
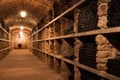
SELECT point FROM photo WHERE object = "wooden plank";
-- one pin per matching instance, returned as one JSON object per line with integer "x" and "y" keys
{"x": 53, "y": 38}
{"x": 94, "y": 32}
{"x": 37, "y": 40}
{"x": 68, "y": 61}
{"x": 58, "y": 56}
{"x": 109, "y": 76}
{"x": 104, "y": 75}
{"x": 44, "y": 52}
{"x": 6, "y": 48}
{"x": 5, "y": 40}
{"x": 99, "y": 31}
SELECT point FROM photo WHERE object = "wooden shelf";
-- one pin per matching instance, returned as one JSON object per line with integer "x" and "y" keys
{"x": 109, "y": 76}
{"x": 99, "y": 31}
{"x": 102, "y": 74}
{"x": 37, "y": 40}
{"x": 56, "y": 43}
{"x": 94, "y": 32}
{"x": 68, "y": 61}
{"x": 5, "y": 40}
{"x": 82, "y": 66}
{"x": 6, "y": 48}
{"x": 56, "y": 56}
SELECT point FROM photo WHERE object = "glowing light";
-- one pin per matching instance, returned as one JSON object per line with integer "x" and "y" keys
{"x": 21, "y": 34}
{"x": 21, "y": 27}
{"x": 23, "y": 14}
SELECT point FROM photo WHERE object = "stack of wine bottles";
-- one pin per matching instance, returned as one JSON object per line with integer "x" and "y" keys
{"x": 114, "y": 67}
{"x": 87, "y": 54}
{"x": 88, "y": 75}
{"x": 88, "y": 17}
{"x": 114, "y": 13}
{"x": 68, "y": 31}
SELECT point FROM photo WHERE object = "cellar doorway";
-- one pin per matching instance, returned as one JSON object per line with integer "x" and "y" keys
{"x": 19, "y": 45}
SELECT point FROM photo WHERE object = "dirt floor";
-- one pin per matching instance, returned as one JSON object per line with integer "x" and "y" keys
{"x": 21, "y": 64}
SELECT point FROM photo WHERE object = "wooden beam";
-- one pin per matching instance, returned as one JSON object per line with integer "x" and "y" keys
{"x": 5, "y": 40}
{"x": 87, "y": 33}
{"x": 6, "y": 48}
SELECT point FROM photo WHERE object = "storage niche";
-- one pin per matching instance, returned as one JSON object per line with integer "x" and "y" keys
{"x": 68, "y": 48}
{"x": 114, "y": 56}
{"x": 58, "y": 46}
{"x": 67, "y": 71}
{"x": 88, "y": 18}
{"x": 114, "y": 13}
{"x": 87, "y": 53}
{"x": 67, "y": 26}
{"x": 57, "y": 65}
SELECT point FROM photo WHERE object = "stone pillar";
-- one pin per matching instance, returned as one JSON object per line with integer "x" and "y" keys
{"x": 105, "y": 51}
{"x": 102, "y": 54}
{"x": 77, "y": 45}
{"x": 102, "y": 13}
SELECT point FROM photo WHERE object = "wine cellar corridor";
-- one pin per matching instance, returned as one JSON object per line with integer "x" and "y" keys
{"x": 59, "y": 40}
{"x": 22, "y": 65}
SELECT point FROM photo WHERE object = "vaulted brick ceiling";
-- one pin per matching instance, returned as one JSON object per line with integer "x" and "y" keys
{"x": 36, "y": 9}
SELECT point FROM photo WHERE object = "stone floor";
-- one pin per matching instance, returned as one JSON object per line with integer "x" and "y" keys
{"x": 21, "y": 64}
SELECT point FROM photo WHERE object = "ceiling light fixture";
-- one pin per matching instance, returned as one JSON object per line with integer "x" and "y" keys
{"x": 21, "y": 27}
{"x": 23, "y": 14}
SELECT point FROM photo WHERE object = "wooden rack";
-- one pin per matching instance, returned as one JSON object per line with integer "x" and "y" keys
{"x": 94, "y": 32}
{"x": 5, "y": 42}
{"x": 61, "y": 51}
